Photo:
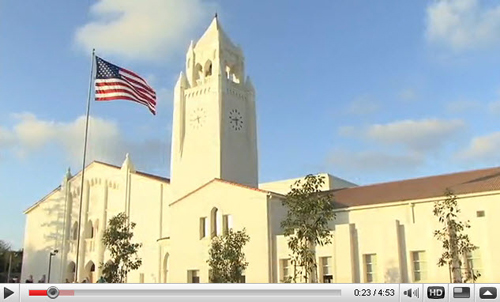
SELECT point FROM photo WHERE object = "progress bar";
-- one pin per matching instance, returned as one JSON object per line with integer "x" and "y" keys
{"x": 43, "y": 293}
{"x": 283, "y": 292}
{"x": 190, "y": 293}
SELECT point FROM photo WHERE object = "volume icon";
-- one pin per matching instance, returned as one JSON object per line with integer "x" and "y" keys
{"x": 412, "y": 293}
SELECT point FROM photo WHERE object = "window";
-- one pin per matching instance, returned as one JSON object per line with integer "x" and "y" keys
{"x": 286, "y": 269}
{"x": 480, "y": 213}
{"x": 227, "y": 224}
{"x": 96, "y": 227}
{"x": 203, "y": 227}
{"x": 225, "y": 227}
{"x": 198, "y": 71}
{"x": 89, "y": 230}
{"x": 243, "y": 277}
{"x": 215, "y": 227}
{"x": 419, "y": 266}
{"x": 370, "y": 267}
{"x": 473, "y": 263}
{"x": 208, "y": 68}
{"x": 75, "y": 231}
{"x": 207, "y": 226}
{"x": 165, "y": 268}
{"x": 326, "y": 269}
{"x": 193, "y": 276}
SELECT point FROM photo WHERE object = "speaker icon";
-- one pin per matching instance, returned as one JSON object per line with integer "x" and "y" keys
{"x": 412, "y": 293}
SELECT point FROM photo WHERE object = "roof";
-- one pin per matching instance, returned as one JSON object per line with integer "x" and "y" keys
{"x": 41, "y": 200}
{"x": 473, "y": 181}
{"x": 214, "y": 34}
{"x": 419, "y": 188}
{"x": 156, "y": 177}
{"x": 226, "y": 182}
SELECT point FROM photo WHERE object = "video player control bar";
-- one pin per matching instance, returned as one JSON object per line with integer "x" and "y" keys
{"x": 251, "y": 292}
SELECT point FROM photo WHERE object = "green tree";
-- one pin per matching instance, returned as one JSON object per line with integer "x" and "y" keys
{"x": 4, "y": 255}
{"x": 117, "y": 239}
{"x": 226, "y": 257}
{"x": 10, "y": 261}
{"x": 307, "y": 224}
{"x": 4, "y": 246}
{"x": 455, "y": 242}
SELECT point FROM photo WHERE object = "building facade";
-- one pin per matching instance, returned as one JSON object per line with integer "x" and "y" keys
{"x": 381, "y": 233}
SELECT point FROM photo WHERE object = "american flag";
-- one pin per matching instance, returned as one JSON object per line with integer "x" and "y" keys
{"x": 116, "y": 83}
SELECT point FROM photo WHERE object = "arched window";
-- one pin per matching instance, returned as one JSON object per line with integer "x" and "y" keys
{"x": 208, "y": 68}
{"x": 227, "y": 224}
{"x": 96, "y": 227}
{"x": 235, "y": 73}
{"x": 165, "y": 268}
{"x": 215, "y": 227}
{"x": 90, "y": 271}
{"x": 198, "y": 72}
{"x": 75, "y": 231}
{"x": 89, "y": 230}
{"x": 70, "y": 272}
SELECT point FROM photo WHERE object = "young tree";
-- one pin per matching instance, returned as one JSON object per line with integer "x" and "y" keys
{"x": 4, "y": 246}
{"x": 306, "y": 225}
{"x": 456, "y": 243}
{"x": 4, "y": 255}
{"x": 117, "y": 239}
{"x": 226, "y": 257}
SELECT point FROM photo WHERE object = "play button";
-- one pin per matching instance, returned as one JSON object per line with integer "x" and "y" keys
{"x": 7, "y": 293}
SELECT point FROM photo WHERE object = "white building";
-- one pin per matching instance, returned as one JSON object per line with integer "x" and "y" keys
{"x": 382, "y": 232}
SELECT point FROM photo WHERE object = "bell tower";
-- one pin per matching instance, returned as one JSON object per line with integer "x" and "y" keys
{"x": 214, "y": 133}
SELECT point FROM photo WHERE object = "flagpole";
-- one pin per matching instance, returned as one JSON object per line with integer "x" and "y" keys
{"x": 83, "y": 166}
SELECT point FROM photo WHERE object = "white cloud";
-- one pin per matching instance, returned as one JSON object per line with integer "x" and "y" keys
{"x": 494, "y": 107}
{"x": 6, "y": 137}
{"x": 374, "y": 161}
{"x": 399, "y": 147}
{"x": 363, "y": 104}
{"x": 106, "y": 142}
{"x": 461, "y": 106}
{"x": 348, "y": 131}
{"x": 407, "y": 94}
{"x": 483, "y": 149}
{"x": 143, "y": 30}
{"x": 463, "y": 24}
{"x": 415, "y": 135}
{"x": 420, "y": 136}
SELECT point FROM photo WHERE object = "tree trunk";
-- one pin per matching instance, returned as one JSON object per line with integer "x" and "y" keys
{"x": 294, "y": 272}
{"x": 312, "y": 271}
{"x": 456, "y": 272}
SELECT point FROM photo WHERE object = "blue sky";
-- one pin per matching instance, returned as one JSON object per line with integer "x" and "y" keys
{"x": 365, "y": 90}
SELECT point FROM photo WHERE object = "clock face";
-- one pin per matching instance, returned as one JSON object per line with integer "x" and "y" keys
{"x": 235, "y": 119}
{"x": 198, "y": 117}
